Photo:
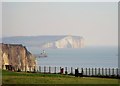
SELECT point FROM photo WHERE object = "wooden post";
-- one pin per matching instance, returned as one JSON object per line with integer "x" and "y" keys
{"x": 98, "y": 71}
{"x": 34, "y": 70}
{"x": 49, "y": 69}
{"x": 82, "y": 71}
{"x": 106, "y": 71}
{"x": 44, "y": 69}
{"x": 60, "y": 69}
{"x": 109, "y": 72}
{"x": 89, "y": 71}
{"x": 86, "y": 71}
{"x": 92, "y": 72}
{"x": 95, "y": 71}
{"x": 65, "y": 70}
{"x": 113, "y": 71}
{"x": 37, "y": 68}
{"x": 40, "y": 69}
{"x": 102, "y": 71}
{"x": 117, "y": 72}
{"x": 55, "y": 70}
{"x": 71, "y": 70}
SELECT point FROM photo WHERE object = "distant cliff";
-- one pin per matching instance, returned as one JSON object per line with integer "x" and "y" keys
{"x": 66, "y": 42}
{"x": 16, "y": 57}
{"x": 48, "y": 41}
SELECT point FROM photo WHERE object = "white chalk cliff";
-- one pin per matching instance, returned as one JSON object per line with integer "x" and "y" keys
{"x": 15, "y": 56}
{"x": 47, "y": 41}
{"x": 66, "y": 42}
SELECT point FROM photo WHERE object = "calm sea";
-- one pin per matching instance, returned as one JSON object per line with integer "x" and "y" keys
{"x": 93, "y": 57}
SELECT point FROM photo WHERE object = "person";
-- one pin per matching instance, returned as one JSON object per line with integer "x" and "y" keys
{"x": 76, "y": 72}
{"x": 61, "y": 71}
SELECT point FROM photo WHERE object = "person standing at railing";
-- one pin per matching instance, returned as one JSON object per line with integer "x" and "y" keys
{"x": 76, "y": 72}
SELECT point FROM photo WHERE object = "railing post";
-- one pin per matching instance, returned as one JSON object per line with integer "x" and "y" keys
{"x": 71, "y": 70}
{"x": 92, "y": 72}
{"x": 117, "y": 72}
{"x": 37, "y": 69}
{"x": 82, "y": 71}
{"x": 55, "y": 70}
{"x": 65, "y": 70}
{"x": 86, "y": 71}
{"x": 95, "y": 71}
{"x": 106, "y": 71}
{"x": 89, "y": 71}
{"x": 49, "y": 69}
{"x": 44, "y": 69}
{"x": 40, "y": 69}
{"x": 60, "y": 70}
{"x": 102, "y": 71}
{"x": 109, "y": 72}
{"x": 34, "y": 70}
{"x": 99, "y": 71}
{"x": 78, "y": 70}
{"x": 113, "y": 71}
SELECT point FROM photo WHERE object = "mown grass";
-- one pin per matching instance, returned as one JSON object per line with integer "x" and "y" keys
{"x": 37, "y": 78}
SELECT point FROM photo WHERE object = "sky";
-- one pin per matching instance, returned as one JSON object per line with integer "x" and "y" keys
{"x": 96, "y": 22}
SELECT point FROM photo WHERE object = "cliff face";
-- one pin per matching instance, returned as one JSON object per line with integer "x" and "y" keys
{"x": 16, "y": 57}
{"x": 66, "y": 42}
{"x": 47, "y": 41}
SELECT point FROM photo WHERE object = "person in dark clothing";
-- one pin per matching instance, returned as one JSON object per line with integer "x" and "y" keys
{"x": 76, "y": 73}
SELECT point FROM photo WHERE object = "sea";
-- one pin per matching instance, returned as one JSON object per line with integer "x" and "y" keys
{"x": 87, "y": 57}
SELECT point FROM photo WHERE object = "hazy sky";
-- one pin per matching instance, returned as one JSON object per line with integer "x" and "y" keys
{"x": 97, "y": 22}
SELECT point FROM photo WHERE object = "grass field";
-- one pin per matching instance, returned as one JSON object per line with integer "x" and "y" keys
{"x": 37, "y": 78}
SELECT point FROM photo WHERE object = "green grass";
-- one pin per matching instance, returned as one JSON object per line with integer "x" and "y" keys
{"x": 37, "y": 78}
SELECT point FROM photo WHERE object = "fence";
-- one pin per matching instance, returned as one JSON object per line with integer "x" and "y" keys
{"x": 84, "y": 71}
{"x": 109, "y": 72}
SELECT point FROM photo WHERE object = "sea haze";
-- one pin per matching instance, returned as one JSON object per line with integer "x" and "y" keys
{"x": 93, "y": 57}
